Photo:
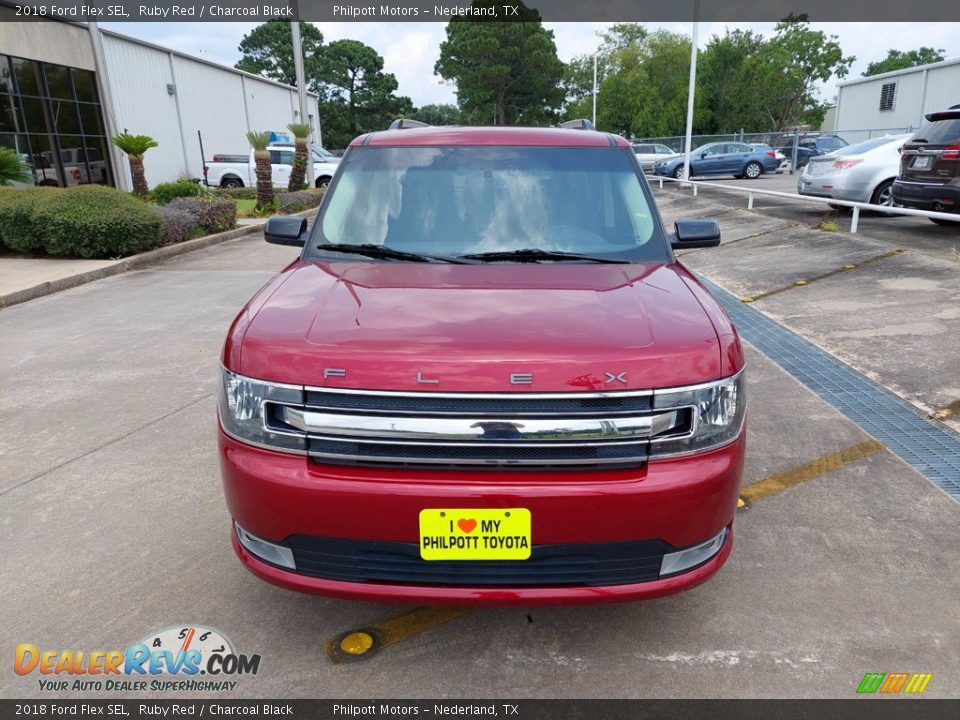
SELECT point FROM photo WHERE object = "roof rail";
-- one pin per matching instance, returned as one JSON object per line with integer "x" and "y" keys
{"x": 405, "y": 124}
{"x": 581, "y": 124}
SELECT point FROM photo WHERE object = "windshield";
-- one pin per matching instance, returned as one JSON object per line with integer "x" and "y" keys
{"x": 322, "y": 154}
{"x": 939, "y": 132}
{"x": 455, "y": 201}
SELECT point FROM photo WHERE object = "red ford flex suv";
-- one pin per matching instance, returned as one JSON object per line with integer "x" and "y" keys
{"x": 485, "y": 380}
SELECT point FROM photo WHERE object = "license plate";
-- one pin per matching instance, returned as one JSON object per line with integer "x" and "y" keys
{"x": 921, "y": 162}
{"x": 475, "y": 534}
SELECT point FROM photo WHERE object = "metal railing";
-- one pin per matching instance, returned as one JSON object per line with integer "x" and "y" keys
{"x": 782, "y": 138}
{"x": 855, "y": 206}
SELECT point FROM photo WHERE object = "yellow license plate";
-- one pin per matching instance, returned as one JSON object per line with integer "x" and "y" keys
{"x": 485, "y": 534}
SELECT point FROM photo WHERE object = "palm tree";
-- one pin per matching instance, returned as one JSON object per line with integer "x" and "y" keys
{"x": 259, "y": 141}
{"x": 301, "y": 133}
{"x": 135, "y": 146}
{"x": 13, "y": 168}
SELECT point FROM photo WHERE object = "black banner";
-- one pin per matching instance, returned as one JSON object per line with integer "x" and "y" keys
{"x": 874, "y": 708}
{"x": 499, "y": 10}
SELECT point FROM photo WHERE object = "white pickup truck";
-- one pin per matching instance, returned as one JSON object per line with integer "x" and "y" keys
{"x": 242, "y": 174}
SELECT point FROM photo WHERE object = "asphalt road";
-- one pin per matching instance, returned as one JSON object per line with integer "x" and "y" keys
{"x": 114, "y": 526}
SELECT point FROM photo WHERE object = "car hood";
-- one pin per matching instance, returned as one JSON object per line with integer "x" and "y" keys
{"x": 440, "y": 327}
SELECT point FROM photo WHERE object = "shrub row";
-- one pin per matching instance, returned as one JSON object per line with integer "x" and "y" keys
{"x": 165, "y": 192}
{"x": 294, "y": 202}
{"x": 89, "y": 221}
{"x": 244, "y": 193}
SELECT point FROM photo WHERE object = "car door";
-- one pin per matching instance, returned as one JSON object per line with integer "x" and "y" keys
{"x": 281, "y": 164}
{"x": 738, "y": 155}
{"x": 710, "y": 160}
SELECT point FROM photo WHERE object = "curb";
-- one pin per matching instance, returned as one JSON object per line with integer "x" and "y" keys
{"x": 132, "y": 263}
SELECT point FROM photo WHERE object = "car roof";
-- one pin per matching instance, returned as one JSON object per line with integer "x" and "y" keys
{"x": 516, "y": 136}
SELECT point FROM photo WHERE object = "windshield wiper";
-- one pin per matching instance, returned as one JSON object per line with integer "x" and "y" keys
{"x": 536, "y": 255}
{"x": 387, "y": 253}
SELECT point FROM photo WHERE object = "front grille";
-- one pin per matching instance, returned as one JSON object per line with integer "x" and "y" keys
{"x": 571, "y": 565}
{"x": 465, "y": 405}
{"x": 478, "y": 431}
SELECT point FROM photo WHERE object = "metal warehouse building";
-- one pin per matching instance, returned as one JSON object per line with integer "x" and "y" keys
{"x": 898, "y": 100}
{"x": 65, "y": 87}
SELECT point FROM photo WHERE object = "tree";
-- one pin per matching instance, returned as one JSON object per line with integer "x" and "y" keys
{"x": 264, "y": 171}
{"x": 268, "y": 51}
{"x": 723, "y": 88}
{"x": 360, "y": 96}
{"x": 900, "y": 60}
{"x": 442, "y": 114}
{"x": 13, "y": 168}
{"x": 135, "y": 146}
{"x": 301, "y": 156}
{"x": 507, "y": 72}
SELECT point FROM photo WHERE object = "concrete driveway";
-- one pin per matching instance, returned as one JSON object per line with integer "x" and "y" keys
{"x": 114, "y": 526}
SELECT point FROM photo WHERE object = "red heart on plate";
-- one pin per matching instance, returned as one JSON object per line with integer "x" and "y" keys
{"x": 468, "y": 526}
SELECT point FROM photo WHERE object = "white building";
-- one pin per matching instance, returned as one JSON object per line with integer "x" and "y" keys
{"x": 898, "y": 100}
{"x": 58, "y": 104}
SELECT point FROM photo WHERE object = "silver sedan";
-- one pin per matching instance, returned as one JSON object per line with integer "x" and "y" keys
{"x": 863, "y": 172}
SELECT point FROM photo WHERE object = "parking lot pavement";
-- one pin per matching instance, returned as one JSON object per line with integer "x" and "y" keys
{"x": 114, "y": 526}
{"x": 894, "y": 315}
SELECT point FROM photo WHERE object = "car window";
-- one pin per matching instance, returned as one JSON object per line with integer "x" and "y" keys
{"x": 466, "y": 199}
{"x": 831, "y": 143}
{"x": 281, "y": 157}
{"x": 716, "y": 149}
{"x": 939, "y": 132}
{"x": 664, "y": 150}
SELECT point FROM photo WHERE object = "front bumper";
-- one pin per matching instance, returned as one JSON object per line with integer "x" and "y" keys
{"x": 679, "y": 502}
{"x": 927, "y": 196}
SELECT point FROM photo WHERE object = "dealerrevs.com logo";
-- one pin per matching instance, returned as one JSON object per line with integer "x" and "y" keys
{"x": 171, "y": 660}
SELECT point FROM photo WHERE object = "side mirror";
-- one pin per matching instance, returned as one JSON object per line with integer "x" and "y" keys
{"x": 286, "y": 231}
{"x": 702, "y": 155}
{"x": 695, "y": 234}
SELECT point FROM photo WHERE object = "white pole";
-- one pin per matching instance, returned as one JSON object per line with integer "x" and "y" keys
{"x": 302, "y": 92}
{"x": 594, "y": 89}
{"x": 690, "y": 93}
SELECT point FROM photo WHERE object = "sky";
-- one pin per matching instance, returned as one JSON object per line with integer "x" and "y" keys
{"x": 411, "y": 49}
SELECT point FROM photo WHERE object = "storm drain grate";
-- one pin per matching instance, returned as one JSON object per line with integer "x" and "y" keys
{"x": 932, "y": 449}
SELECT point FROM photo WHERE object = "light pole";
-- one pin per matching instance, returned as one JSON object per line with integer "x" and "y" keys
{"x": 691, "y": 91}
{"x": 594, "y": 89}
{"x": 302, "y": 91}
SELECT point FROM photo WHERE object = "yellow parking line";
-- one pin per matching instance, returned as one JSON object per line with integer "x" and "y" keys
{"x": 364, "y": 642}
{"x": 806, "y": 281}
{"x": 945, "y": 413}
{"x": 802, "y": 473}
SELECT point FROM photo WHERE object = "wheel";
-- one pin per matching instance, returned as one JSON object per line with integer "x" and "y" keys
{"x": 231, "y": 182}
{"x": 753, "y": 170}
{"x": 883, "y": 195}
{"x": 323, "y": 182}
{"x": 678, "y": 173}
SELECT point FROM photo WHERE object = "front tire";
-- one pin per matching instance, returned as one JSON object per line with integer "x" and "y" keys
{"x": 752, "y": 170}
{"x": 231, "y": 183}
{"x": 323, "y": 183}
{"x": 678, "y": 173}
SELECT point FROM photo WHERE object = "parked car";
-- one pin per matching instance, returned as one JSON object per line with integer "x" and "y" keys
{"x": 863, "y": 172}
{"x": 648, "y": 154}
{"x": 809, "y": 146}
{"x": 242, "y": 174}
{"x": 930, "y": 166}
{"x": 721, "y": 158}
{"x": 777, "y": 155}
{"x": 486, "y": 380}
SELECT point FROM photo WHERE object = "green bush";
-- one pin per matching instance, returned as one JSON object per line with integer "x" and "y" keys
{"x": 294, "y": 202}
{"x": 178, "y": 225}
{"x": 89, "y": 221}
{"x": 165, "y": 192}
{"x": 19, "y": 228}
{"x": 212, "y": 214}
{"x": 94, "y": 221}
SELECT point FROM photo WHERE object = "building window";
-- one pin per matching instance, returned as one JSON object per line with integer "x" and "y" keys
{"x": 887, "y": 94}
{"x": 51, "y": 115}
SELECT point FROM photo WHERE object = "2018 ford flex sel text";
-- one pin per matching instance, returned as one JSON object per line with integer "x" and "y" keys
{"x": 486, "y": 380}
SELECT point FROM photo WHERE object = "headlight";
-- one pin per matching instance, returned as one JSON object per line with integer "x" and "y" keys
{"x": 717, "y": 411}
{"x": 248, "y": 411}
